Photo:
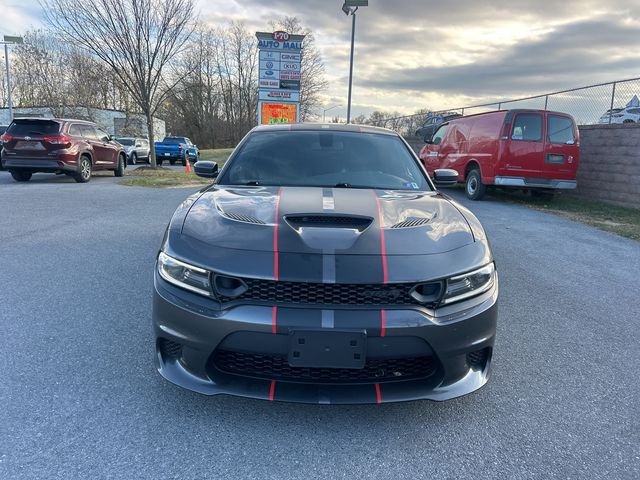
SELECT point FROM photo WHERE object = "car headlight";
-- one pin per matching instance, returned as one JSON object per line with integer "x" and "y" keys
{"x": 469, "y": 284}
{"x": 184, "y": 275}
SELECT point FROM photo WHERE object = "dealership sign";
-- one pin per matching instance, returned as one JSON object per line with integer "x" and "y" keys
{"x": 279, "y": 70}
{"x": 283, "y": 95}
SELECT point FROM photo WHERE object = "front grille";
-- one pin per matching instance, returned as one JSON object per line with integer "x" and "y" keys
{"x": 276, "y": 367}
{"x": 326, "y": 293}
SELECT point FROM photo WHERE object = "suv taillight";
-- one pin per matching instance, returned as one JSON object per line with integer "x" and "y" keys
{"x": 57, "y": 140}
{"x": 6, "y": 138}
{"x": 179, "y": 148}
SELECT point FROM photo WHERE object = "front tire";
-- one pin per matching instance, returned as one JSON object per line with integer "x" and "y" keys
{"x": 83, "y": 175}
{"x": 158, "y": 162}
{"x": 21, "y": 175}
{"x": 134, "y": 159}
{"x": 119, "y": 171}
{"x": 474, "y": 187}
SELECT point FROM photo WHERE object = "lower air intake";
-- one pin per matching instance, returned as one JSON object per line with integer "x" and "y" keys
{"x": 276, "y": 367}
{"x": 478, "y": 358}
{"x": 170, "y": 349}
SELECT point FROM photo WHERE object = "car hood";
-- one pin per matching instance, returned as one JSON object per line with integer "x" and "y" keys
{"x": 340, "y": 221}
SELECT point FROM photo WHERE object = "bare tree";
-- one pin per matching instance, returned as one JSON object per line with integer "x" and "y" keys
{"x": 136, "y": 38}
{"x": 312, "y": 76}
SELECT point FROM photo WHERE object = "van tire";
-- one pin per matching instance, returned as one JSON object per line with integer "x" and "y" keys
{"x": 473, "y": 186}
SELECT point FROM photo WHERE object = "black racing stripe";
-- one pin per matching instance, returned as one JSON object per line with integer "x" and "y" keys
{"x": 358, "y": 320}
{"x": 308, "y": 263}
{"x": 295, "y": 200}
{"x": 362, "y": 203}
{"x": 300, "y": 267}
{"x": 359, "y": 269}
{"x": 292, "y": 318}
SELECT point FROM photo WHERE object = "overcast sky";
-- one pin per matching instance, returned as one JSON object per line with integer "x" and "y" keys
{"x": 414, "y": 54}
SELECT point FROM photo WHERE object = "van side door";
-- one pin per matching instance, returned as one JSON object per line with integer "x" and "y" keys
{"x": 525, "y": 151}
{"x": 562, "y": 150}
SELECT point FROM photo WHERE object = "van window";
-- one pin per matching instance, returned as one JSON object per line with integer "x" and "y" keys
{"x": 560, "y": 130}
{"x": 439, "y": 135}
{"x": 528, "y": 127}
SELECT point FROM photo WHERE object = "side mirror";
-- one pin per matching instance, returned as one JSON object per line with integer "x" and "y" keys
{"x": 206, "y": 169}
{"x": 437, "y": 141}
{"x": 111, "y": 138}
{"x": 445, "y": 177}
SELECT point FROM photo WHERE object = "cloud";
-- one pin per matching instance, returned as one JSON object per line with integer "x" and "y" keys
{"x": 573, "y": 54}
{"x": 412, "y": 53}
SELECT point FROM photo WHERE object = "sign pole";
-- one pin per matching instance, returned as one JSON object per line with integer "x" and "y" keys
{"x": 9, "y": 100}
{"x": 353, "y": 37}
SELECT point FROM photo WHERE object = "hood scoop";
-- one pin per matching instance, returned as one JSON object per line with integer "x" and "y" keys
{"x": 412, "y": 222}
{"x": 299, "y": 222}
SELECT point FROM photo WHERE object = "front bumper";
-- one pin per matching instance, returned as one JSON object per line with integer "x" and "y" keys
{"x": 524, "y": 182}
{"x": 190, "y": 336}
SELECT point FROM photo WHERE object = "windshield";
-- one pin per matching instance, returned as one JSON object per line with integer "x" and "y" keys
{"x": 325, "y": 159}
{"x": 126, "y": 141}
{"x": 173, "y": 140}
{"x": 22, "y": 128}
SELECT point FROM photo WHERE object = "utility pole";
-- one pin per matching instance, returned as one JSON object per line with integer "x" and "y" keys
{"x": 9, "y": 40}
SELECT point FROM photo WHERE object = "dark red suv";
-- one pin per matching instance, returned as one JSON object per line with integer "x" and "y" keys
{"x": 73, "y": 147}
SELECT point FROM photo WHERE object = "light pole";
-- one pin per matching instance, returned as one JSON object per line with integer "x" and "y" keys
{"x": 9, "y": 40}
{"x": 350, "y": 7}
{"x": 326, "y": 110}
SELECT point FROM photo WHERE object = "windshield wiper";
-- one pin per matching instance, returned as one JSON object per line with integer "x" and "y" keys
{"x": 351, "y": 185}
{"x": 253, "y": 183}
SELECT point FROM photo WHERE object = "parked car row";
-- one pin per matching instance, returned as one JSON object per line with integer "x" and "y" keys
{"x": 176, "y": 149}
{"x": 78, "y": 147}
{"x": 432, "y": 123}
{"x": 72, "y": 147}
{"x": 136, "y": 149}
{"x": 534, "y": 150}
{"x": 621, "y": 115}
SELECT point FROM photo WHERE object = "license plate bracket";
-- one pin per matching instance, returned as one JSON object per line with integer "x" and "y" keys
{"x": 327, "y": 349}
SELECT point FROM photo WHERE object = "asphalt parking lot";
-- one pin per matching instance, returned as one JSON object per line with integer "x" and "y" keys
{"x": 81, "y": 397}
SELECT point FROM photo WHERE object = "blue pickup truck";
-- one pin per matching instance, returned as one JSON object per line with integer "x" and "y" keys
{"x": 176, "y": 149}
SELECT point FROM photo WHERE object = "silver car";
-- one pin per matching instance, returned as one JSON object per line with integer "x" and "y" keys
{"x": 135, "y": 148}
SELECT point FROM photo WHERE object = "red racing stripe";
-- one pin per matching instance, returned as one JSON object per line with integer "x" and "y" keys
{"x": 378, "y": 394}
{"x": 383, "y": 323}
{"x": 383, "y": 246}
{"x": 272, "y": 390}
{"x": 275, "y": 238}
{"x": 274, "y": 317}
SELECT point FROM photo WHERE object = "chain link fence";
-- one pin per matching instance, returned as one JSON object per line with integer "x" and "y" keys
{"x": 588, "y": 105}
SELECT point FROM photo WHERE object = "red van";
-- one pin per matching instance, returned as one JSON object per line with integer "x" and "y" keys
{"x": 535, "y": 150}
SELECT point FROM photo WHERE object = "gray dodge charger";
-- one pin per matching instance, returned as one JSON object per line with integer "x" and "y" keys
{"x": 323, "y": 266}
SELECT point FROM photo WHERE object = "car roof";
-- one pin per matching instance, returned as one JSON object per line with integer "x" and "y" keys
{"x": 323, "y": 127}
{"x": 512, "y": 111}
{"x": 60, "y": 120}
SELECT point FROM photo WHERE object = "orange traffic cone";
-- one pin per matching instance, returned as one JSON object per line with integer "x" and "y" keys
{"x": 188, "y": 167}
